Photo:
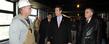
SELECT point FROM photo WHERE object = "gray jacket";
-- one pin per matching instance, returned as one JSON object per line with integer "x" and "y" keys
{"x": 18, "y": 30}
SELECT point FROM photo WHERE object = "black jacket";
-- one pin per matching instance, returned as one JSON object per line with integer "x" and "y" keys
{"x": 60, "y": 35}
{"x": 44, "y": 31}
{"x": 89, "y": 33}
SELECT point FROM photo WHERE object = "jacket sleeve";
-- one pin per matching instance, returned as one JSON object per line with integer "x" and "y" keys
{"x": 14, "y": 32}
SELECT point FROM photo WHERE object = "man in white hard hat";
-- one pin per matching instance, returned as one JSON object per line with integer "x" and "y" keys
{"x": 20, "y": 24}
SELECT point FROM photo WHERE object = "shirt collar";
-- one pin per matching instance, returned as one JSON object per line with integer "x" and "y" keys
{"x": 89, "y": 19}
{"x": 59, "y": 16}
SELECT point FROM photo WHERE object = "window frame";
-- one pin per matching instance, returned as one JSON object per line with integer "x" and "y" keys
{"x": 8, "y": 12}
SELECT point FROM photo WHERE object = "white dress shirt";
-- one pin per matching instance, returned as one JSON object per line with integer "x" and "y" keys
{"x": 59, "y": 19}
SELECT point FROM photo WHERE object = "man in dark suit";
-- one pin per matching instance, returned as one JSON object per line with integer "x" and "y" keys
{"x": 89, "y": 29}
{"x": 60, "y": 28}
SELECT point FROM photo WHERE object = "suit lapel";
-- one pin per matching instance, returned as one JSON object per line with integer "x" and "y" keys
{"x": 60, "y": 23}
{"x": 56, "y": 22}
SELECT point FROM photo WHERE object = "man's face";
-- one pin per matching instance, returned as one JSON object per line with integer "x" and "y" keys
{"x": 58, "y": 12}
{"x": 26, "y": 10}
{"x": 88, "y": 13}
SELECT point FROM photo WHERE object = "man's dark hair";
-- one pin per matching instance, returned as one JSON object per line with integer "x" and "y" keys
{"x": 58, "y": 6}
{"x": 90, "y": 9}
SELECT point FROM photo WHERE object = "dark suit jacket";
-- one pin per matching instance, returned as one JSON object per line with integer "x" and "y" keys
{"x": 60, "y": 35}
{"x": 89, "y": 33}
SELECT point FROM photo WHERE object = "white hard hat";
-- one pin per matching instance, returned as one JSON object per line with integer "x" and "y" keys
{"x": 23, "y": 3}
